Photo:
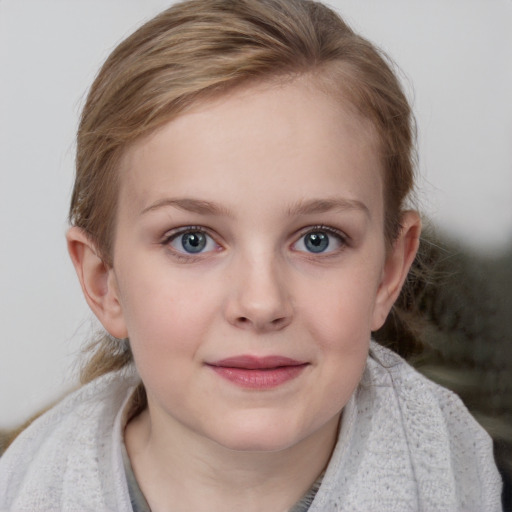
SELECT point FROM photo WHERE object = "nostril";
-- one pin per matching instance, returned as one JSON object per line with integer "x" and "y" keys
{"x": 279, "y": 322}
{"x": 276, "y": 323}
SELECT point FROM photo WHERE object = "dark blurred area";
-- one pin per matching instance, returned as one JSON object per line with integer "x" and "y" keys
{"x": 453, "y": 322}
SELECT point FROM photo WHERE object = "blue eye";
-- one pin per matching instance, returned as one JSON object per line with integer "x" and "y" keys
{"x": 192, "y": 241}
{"x": 316, "y": 242}
{"x": 320, "y": 241}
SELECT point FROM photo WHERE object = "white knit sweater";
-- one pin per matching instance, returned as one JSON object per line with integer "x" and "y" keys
{"x": 405, "y": 444}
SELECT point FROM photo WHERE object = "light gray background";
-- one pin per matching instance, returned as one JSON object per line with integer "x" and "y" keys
{"x": 456, "y": 56}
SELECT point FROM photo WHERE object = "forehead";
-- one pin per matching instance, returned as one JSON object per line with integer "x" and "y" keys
{"x": 270, "y": 139}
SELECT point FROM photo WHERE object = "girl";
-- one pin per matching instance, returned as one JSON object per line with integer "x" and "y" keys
{"x": 239, "y": 227}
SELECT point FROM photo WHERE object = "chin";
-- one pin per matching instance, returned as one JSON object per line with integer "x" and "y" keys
{"x": 259, "y": 436}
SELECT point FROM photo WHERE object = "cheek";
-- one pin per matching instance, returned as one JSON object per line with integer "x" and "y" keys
{"x": 340, "y": 328}
{"x": 340, "y": 313}
{"x": 165, "y": 314}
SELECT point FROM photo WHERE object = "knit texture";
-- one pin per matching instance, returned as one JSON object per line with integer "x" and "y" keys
{"x": 405, "y": 444}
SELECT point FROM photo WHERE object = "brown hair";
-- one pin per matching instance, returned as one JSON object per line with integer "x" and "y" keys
{"x": 199, "y": 48}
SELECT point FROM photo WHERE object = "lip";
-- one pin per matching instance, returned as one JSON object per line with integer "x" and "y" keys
{"x": 258, "y": 372}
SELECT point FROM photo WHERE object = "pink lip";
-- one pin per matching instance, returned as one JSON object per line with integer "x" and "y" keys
{"x": 258, "y": 372}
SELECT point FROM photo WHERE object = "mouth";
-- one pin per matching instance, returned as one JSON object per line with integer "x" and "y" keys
{"x": 258, "y": 373}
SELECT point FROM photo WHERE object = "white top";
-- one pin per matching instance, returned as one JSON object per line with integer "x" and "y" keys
{"x": 405, "y": 444}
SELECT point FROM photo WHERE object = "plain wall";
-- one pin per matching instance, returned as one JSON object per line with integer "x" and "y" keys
{"x": 456, "y": 57}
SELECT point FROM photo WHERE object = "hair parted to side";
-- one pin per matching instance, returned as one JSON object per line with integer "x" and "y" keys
{"x": 200, "y": 48}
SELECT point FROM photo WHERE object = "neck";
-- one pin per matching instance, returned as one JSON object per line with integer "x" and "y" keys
{"x": 192, "y": 473}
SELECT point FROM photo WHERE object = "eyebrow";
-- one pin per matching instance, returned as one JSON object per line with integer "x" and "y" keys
{"x": 308, "y": 207}
{"x": 325, "y": 205}
{"x": 190, "y": 205}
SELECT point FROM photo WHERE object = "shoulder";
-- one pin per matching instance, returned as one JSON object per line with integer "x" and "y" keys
{"x": 68, "y": 451}
{"x": 416, "y": 393}
{"x": 406, "y": 443}
{"x": 440, "y": 431}
{"x": 423, "y": 403}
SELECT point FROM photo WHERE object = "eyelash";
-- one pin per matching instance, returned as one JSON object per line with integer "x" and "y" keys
{"x": 175, "y": 234}
{"x": 191, "y": 257}
{"x": 341, "y": 237}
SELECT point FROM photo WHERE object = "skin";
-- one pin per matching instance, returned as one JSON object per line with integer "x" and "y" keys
{"x": 257, "y": 171}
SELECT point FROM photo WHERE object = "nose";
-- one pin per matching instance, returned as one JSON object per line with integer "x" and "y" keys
{"x": 260, "y": 298}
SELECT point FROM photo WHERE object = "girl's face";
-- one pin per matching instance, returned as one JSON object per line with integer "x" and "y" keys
{"x": 250, "y": 265}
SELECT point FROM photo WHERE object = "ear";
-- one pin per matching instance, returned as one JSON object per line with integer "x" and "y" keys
{"x": 396, "y": 268}
{"x": 98, "y": 282}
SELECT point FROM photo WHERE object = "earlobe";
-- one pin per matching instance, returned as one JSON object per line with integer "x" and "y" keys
{"x": 398, "y": 263}
{"x": 98, "y": 282}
